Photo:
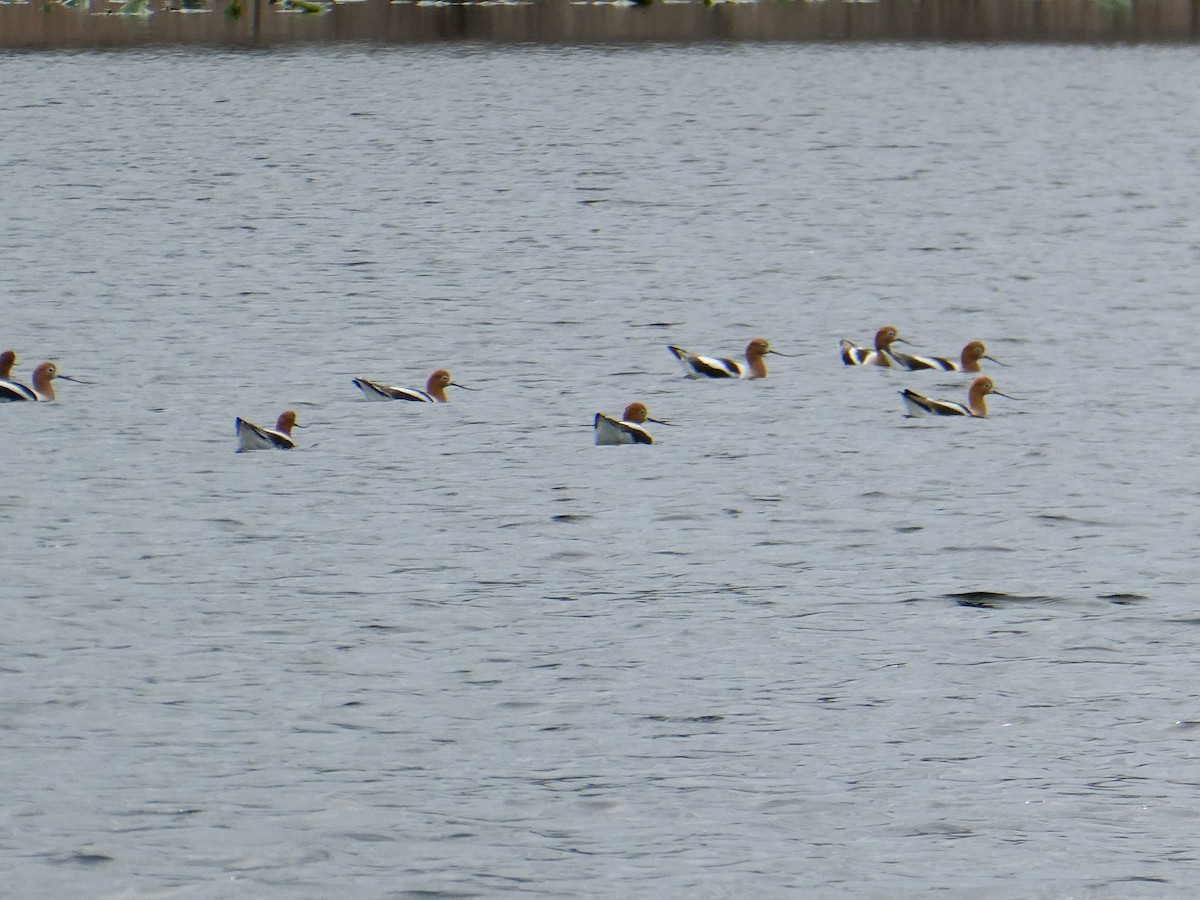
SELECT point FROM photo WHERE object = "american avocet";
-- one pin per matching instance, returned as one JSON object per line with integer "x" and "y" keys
{"x": 9, "y": 389}
{"x": 968, "y": 361}
{"x": 854, "y": 355}
{"x": 713, "y": 367}
{"x": 43, "y": 384}
{"x": 255, "y": 437}
{"x": 976, "y": 408}
{"x": 628, "y": 430}
{"x": 435, "y": 389}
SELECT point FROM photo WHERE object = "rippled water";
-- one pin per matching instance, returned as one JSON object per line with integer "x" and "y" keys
{"x": 802, "y": 646}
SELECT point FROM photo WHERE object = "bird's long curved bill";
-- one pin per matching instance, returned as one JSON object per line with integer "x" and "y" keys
{"x": 660, "y": 422}
{"x": 997, "y": 362}
{"x": 72, "y": 378}
{"x": 463, "y": 386}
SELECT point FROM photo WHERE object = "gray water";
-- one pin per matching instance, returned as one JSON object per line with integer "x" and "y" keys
{"x": 801, "y": 646}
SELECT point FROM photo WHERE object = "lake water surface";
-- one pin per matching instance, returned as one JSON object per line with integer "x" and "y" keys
{"x": 802, "y": 646}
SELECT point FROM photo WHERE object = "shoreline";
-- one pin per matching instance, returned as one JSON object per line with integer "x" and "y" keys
{"x": 261, "y": 23}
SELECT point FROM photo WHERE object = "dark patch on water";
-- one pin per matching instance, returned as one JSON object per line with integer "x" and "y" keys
{"x": 1059, "y": 519}
{"x": 996, "y": 599}
{"x": 942, "y": 829}
{"x": 186, "y": 811}
{"x": 83, "y": 859}
{"x": 1123, "y": 599}
{"x": 368, "y": 837}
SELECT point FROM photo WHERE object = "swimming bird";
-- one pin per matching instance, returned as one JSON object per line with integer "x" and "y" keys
{"x": 968, "y": 361}
{"x": 854, "y": 355}
{"x": 435, "y": 389}
{"x": 976, "y": 408}
{"x": 255, "y": 437}
{"x": 11, "y": 390}
{"x": 43, "y": 385}
{"x": 713, "y": 367}
{"x": 628, "y": 430}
